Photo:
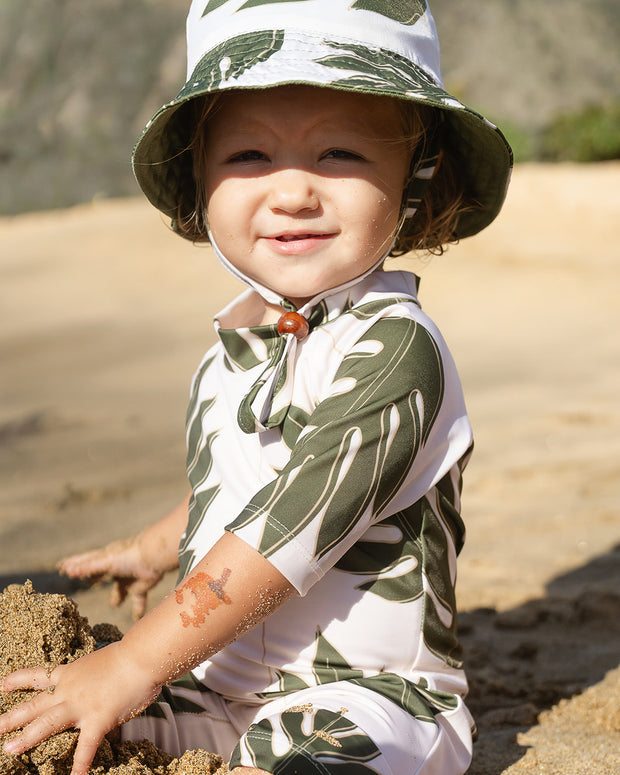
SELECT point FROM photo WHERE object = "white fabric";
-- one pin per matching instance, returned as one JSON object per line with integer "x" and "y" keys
{"x": 327, "y": 19}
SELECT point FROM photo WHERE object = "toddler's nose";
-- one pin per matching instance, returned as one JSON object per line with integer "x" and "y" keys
{"x": 293, "y": 191}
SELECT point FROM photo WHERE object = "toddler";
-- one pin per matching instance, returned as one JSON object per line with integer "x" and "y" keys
{"x": 313, "y": 627}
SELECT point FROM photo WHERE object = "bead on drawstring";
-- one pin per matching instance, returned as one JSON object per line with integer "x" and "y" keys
{"x": 293, "y": 323}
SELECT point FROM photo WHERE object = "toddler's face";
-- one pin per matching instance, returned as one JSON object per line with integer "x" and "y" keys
{"x": 304, "y": 185}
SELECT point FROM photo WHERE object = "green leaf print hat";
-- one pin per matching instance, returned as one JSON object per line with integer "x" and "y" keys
{"x": 383, "y": 47}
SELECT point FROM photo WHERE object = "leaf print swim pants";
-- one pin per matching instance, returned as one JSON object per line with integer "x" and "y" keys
{"x": 335, "y": 728}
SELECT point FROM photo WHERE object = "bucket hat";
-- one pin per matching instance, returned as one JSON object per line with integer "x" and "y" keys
{"x": 382, "y": 47}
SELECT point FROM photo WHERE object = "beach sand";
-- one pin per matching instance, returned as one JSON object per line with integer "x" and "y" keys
{"x": 105, "y": 315}
{"x": 39, "y": 628}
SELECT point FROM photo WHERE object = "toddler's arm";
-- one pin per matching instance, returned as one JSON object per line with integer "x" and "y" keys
{"x": 230, "y": 590}
{"x": 136, "y": 564}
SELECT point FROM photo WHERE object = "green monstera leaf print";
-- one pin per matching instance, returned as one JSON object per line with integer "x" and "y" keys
{"x": 199, "y": 465}
{"x": 393, "y": 565}
{"x": 254, "y": 3}
{"x": 403, "y": 11}
{"x": 413, "y": 549}
{"x": 361, "y": 448}
{"x": 416, "y": 698}
{"x": 212, "y": 5}
{"x": 232, "y": 58}
{"x": 384, "y": 70}
{"x": 407, "y": 12}
{"x": 328, "y": 666}
{"x": 318, "y": 749}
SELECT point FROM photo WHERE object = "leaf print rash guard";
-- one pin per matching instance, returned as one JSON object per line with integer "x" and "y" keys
{"x": 339, "y": 458}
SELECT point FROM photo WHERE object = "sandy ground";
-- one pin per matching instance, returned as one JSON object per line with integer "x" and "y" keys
{"x": 105, "y": 314}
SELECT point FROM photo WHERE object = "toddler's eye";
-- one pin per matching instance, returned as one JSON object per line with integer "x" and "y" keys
{"x": 248, "y": 156}
{"x": 342, "y": 153}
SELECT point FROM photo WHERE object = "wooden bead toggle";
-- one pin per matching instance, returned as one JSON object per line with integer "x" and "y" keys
{"x": 293, "y": 323}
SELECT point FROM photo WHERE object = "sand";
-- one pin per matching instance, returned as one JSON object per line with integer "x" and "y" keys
{"x": 43, "y": 628}
{"x": 105, "y": 314}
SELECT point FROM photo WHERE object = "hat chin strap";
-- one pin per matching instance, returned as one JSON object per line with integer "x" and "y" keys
{"x": 424, "y": 165}
{"x": 271, "y": 297}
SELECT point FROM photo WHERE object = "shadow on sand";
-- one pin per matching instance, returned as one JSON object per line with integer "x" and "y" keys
{"x": 524, "y": 660}
{"x": 49, "y": 582}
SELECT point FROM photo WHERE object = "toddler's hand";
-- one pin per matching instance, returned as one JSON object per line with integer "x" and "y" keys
{"x": 94, "y": 694}
{"x": 123, "y": 564}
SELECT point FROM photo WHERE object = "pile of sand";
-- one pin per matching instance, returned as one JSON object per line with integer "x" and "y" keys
{"x": 38, "y": 629}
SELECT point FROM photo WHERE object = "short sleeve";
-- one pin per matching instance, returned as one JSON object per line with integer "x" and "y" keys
{"x": 384, "y": 434}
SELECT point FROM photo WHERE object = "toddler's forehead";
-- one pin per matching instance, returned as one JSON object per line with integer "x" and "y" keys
{"x": 312, "y": 107}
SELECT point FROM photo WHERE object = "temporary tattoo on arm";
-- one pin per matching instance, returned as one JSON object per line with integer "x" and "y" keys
{"x": 208, "y": 593}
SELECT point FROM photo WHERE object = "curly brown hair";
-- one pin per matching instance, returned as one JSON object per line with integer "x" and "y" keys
{"x": 434, "y": 224}
{"x": 431, "y": 229}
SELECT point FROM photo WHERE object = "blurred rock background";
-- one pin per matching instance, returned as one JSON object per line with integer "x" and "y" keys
{"x": 79, "y": 81}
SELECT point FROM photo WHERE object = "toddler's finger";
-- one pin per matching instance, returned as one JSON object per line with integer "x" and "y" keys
{"x": 118, "y": 593}
{"x": 19, "y": 716}
{"x": 138, "y": 605}
{"x": 27, "y": 678}
{"x": 88, "y": 564}
{"x": 42, "y": 726}
{"x": 84, "y": 753}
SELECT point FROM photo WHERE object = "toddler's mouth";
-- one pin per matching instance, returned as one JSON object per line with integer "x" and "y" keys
{"x": 294, "y": 237}
{"x": 289, "y": 243}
